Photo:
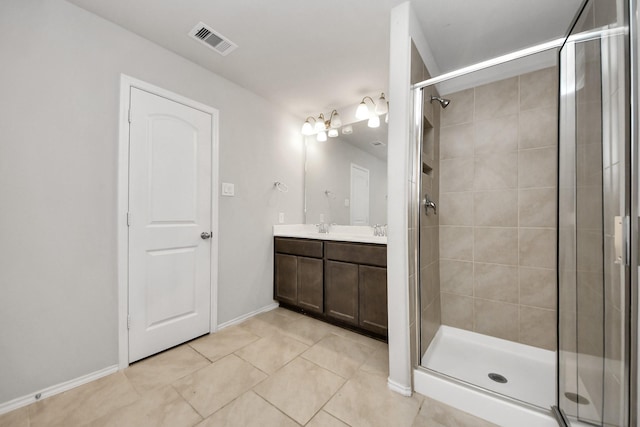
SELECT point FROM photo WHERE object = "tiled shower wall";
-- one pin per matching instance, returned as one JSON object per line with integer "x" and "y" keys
{"x": 497, "y": 218}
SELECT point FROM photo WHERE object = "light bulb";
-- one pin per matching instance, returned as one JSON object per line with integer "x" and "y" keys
{"x": 307, "y": 129}
{"x": 333, "y": 133}
{"x": 381, "y": 105}
{"x": 374, "y": 121}
{"x": 319, "y": 123}
{"x": 322, "y": 136}
{"x": 362, "y": 112}
{"x": 386, "y": 118}
{"x": 336, "y": 121}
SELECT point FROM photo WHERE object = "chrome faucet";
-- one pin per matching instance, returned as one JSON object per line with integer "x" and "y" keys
{"x": 428, "y": 204}
{"x": 323, "y": 228}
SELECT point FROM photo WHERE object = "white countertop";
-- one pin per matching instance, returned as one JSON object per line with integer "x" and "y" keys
{"x": 341, "y": 233}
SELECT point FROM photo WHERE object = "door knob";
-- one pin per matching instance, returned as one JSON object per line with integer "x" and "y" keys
{"x": 205, "y": 235}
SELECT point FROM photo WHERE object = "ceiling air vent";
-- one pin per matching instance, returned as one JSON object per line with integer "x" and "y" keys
{"x": 212, "y": 39}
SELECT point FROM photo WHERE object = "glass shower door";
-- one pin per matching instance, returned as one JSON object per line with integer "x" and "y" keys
{"x": 593, "y": 219}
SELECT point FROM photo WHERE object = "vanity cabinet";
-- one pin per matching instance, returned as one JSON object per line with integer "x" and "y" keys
{"x": 356, "y": 284}
{"x": 340, "y": 282}
{"x": 298, "y": 273}
{"x": 341, "y": 289}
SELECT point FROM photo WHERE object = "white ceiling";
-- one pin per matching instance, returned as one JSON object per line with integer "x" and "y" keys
{"x": 311, "y": 56}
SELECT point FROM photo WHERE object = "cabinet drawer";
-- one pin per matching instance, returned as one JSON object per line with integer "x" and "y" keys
{"x": 309, "y": 248}
{"x": 357, "y": 253}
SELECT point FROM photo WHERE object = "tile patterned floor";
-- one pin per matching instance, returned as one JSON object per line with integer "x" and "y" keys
{"x": 277, "y": 369}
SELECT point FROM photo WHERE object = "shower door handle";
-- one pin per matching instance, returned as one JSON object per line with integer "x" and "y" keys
{"x": 620, "y": 240}
{"x": 429, "y": 204}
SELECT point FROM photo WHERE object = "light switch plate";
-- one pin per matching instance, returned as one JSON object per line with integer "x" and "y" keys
{"x": 281, "y": 217}
{"x": 228, "y": 189}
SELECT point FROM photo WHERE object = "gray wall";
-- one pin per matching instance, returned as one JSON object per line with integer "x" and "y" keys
{"x": 59, "y": 84}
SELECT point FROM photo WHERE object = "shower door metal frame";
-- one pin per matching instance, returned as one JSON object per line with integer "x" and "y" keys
{"x": 416, "y": 136}
{"x": 631, "y": 196}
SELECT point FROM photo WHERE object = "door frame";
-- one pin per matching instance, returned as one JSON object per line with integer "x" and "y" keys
{"x": 126, "y": 83}
{"x": 361, "y": 168}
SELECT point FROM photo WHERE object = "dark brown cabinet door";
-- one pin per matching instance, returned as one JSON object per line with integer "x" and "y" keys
{"x": 286, "y": 277}
{"x": 373, "y": 299}
{"x": 341, "y": 291}
{"x": 310, "y": 284}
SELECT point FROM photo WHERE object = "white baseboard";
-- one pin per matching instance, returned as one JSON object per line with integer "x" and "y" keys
{"x": 247, "y": 316}
{"x": 55, "y": 389}
{"x": 399, "y": 388}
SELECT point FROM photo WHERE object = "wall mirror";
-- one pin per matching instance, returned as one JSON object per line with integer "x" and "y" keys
{"x": 346, "y": 177}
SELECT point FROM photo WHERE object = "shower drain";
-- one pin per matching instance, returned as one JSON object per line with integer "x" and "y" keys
{"x": 497, "y": 378}
{"x": 576, "y": 398}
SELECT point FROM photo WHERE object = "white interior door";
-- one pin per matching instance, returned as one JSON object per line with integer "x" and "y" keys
{"x": 170, "y": 207}
{"x": 359, "y": 195}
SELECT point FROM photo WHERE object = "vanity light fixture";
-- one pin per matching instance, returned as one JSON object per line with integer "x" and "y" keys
{"x": 307, "y": 127}
{"x": 321, "y": 126}
{"x": 372, "y": 110}
{"x": 382, "y": 106}
{"x": 374, "y": 121}
{"x": 362, "y": 112}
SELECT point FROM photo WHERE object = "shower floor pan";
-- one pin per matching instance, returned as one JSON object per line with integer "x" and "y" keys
{"x": 471, "y": 357}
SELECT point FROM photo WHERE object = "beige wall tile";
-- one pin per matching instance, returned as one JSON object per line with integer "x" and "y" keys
{"x": 537, "y": 207}
{"x": 497, "y": 99}
{"x": 537, "y": 247}
{"x": 457, "y": 311}
{"x": 460, "y": 110}
{"x": 496, "y": 245}
{"x": 497, "y": 208}
{"x": 499, "y": 135}
{"x": 427, "y": 234}
{"x": 431, "y": 321}
{"x": 513, "y": 186}
{"x": 456, "y": 141}
{"x": 498, "y": 319}
{"x": 456, "y": 208}
{"x": 539, "y": 89}
{"x": 538, "y": 327}
{"x": 495, "y": 282}
{"x": 496, "y": 171}
{"x": 456, "y": 277}
{"x": 456, "y": 243}
{"x": 537, "y": 168}
{"x": 538, "y": 128}
{"x": 538, "y": 287}
{"x": 589, "y": 208}
{"x": 456, "y": 174}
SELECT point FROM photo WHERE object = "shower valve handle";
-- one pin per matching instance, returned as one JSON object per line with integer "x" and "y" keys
{"x": 429, "y": 204}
